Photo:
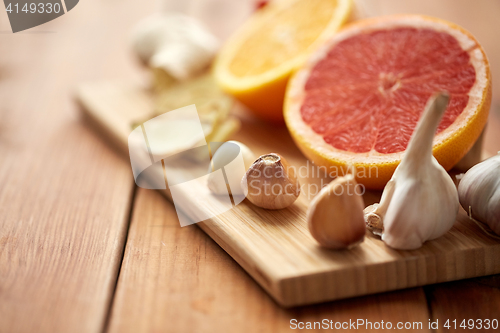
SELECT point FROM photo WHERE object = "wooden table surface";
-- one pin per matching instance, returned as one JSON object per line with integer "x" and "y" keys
{"x": 83, "y": 250}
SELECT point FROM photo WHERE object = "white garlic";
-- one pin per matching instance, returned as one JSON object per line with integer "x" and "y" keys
{"x": 175, "y": 43}
{"x": 225, "y": 157}
{"x": 479, "y": 192}
{"x": 420, "y": 202}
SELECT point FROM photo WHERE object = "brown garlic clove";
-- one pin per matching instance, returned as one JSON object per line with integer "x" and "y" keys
{"x": 335, "y": 215}
{"x": 271, "y": 183}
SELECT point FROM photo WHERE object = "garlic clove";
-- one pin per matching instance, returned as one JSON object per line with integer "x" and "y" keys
{"x": 335, "y": 215}
{"x": 479, "y": 192}
{"x": 420, "y": 202}
{"x": 271, "y": 183}
{"x": 226, "y": 158}
{"x": 175, "y": 43}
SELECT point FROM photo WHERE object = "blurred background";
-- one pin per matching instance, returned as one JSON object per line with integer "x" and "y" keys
{"x": 221, "y": 17}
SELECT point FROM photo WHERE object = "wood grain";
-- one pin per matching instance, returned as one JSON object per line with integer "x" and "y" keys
{"x": 276, "y": 248}
{"x": 178, "y": 280}
{"x": 475, "y": 299}
{"x": 65, "y": 196}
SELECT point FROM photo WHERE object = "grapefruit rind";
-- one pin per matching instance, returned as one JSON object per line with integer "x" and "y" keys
{"x": 374, "y": 169}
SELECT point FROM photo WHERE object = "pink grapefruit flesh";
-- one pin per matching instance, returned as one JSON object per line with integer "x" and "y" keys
{"x": 369, "y": 91}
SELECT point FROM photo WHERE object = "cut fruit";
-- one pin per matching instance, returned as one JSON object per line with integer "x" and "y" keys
{"x": 358, "y": 99}
{"x": 256, "y": 63}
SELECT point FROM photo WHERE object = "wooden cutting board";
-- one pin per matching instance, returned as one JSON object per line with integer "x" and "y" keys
{"x": 276, "y": 248}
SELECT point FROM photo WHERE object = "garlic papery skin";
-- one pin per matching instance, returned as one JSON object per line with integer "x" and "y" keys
{"x": 479, "y": 192}
{"x": 226, "y": 157}
{"x": 335, "y": 215}
{"x": 175, "y": 43}
{"x": 373, "y": 219}
{"x": 420, "y": 202}
{"x": 271, "y": 183}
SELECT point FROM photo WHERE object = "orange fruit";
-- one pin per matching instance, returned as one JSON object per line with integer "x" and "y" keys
{"x": 358, "y": 99}
{"x": 255, "y": 64}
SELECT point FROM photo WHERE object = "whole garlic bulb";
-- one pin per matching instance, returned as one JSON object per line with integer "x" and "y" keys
{"x": 335, "y": 215}
{"x": 174, "y": 42}
{"x": 479, "y": 190}
{"x": 222, "y": 158}
{"x": 420, "y": 202}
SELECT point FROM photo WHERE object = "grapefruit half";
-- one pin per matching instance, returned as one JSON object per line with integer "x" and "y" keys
{"x": 358, "y": 99}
